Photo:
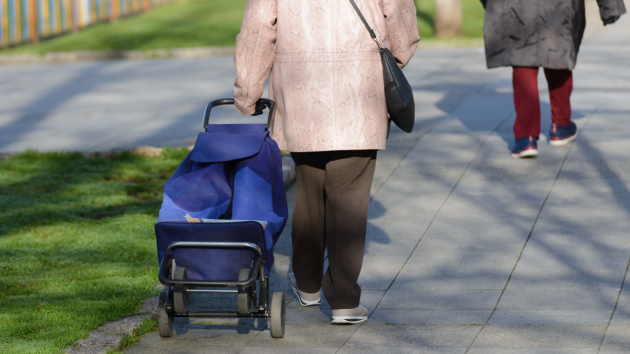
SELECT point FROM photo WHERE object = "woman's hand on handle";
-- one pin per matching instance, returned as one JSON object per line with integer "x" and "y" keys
{"x": 260, "y": 108}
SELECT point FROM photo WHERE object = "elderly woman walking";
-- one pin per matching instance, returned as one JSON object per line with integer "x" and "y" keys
{"x": 540, "y": 33}
{"x": 326, "y": 78}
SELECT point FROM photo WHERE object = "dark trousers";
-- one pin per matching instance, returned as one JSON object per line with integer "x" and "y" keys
{"x": 527, "y": 103}
{"x": 330, "y": 213}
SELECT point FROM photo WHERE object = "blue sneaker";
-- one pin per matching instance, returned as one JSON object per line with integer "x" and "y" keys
{"x": 526, "y": 147}
{"x": 562, "y": 135}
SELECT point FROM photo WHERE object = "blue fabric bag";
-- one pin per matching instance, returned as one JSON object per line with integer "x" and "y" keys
{"x": 228, "y": 189}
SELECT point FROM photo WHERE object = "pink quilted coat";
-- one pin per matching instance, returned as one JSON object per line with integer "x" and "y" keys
{"x": 326, "y": 75}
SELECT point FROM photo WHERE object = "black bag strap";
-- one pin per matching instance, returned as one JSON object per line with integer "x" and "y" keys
{"x": 372, "y": 34}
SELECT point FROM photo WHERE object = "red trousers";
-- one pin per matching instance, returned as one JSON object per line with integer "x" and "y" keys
{"x": 527, "y": 102}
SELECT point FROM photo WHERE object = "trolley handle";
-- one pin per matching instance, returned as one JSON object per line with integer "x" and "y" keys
{"x": 225, "y": 101}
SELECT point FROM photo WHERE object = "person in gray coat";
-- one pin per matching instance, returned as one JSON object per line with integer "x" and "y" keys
{"x": 540, "y": 33}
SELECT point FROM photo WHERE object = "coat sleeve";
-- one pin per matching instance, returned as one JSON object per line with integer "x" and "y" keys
{"x": 402, "y": 28}
{"x": 611, "y": 10}
{"x": 254, "y": 53}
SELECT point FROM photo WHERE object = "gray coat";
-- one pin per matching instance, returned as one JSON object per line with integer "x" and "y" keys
{"x": 538, "y": 33}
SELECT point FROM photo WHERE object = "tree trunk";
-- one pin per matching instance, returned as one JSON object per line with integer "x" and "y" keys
{"x": 448, "y": 18}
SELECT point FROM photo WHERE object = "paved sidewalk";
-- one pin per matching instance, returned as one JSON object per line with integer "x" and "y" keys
{"x": 469, "y": 250}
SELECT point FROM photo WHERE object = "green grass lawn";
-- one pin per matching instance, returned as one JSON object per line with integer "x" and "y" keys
{"x": 199, "y": 23}
{"x": 77, "y": 246}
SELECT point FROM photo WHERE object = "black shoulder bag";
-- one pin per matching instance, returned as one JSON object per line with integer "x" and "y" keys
{"x": 398, "y": 93}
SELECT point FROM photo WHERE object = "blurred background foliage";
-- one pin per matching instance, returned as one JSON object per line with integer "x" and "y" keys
{"x": 203, "y": 23}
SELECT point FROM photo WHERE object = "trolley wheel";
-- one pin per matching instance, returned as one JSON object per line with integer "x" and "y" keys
{"x": 278, "y": 315}
{"x": 244, "y": 295}
{"x": 165, "y": 317}
{"x": 180, "y": 295}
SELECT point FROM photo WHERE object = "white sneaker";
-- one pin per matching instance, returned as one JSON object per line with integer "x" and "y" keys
{"x": 350, "y": 316}
{"x": 305, "y": 299}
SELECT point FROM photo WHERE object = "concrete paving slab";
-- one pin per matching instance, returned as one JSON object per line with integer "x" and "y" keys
{"x": 451, "y": 280}
{"x": 313, "y": 315}
{"x": 399, "y": 350}
{"x": 540, "y": 337}
{"x": 428, "y": 262}
{"x": 485, "y": 262}
{"x": 169, "y": 348}
{"x": 532, "y": 351}
{"x": 429, "y": 170}
{"x": 514, "y": 169}
{"x": 302, "y": 337}
{"x": 459, "y": 201}
{"x": 590, "y": 193}
{"x": 577, "y": 215}
{"x": 616, "y": 338}
{"x": 394, "y": 191}
{"x": 596, "y": 145}
{"x": 384, "y": 230}
{"x": 440, "y": 299}
{"x": 383, "y": 264}
{"x": 602, "y": 300}
{"x": 399, "y": 317}
{"x": 550, "y": 317}
{"x": 606, "y": 121}
{"x": 387, "y": 161}
{"x": 378, "y": 272}
{"x": 505, "y": 188}
{"x": 622, "y": 311}
{"x": 459, "y": 263}
{"x": 580, "y": 279}
{"x": 489, "y": 195}
{"x": 427, "y": 203}
{"x": 584, "y": 227}
{"x": 398, "y": 213}
{"x": 596, "y": 168}
{"x": 469, "y": 213}
{"x": 452, "y": 147}
{"x": 475, "y": 237}
{"x": 376, "y": 281}
{"x": 257, "y": 350}
{"x": 194, "y": 338}
{"x": 418, "y": 337}
{"x": 484, "y": 106}
{"x": 414, "y": 186}
{"x": 568, "y": 240}
{"x": 390, "y": 247}
{"x": 562, "y": 260}
{"x": 459, "y": 317}
{"x": 454, "y": 124}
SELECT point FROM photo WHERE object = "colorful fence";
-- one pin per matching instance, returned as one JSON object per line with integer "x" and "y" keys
{"x": 30, "y": 20}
